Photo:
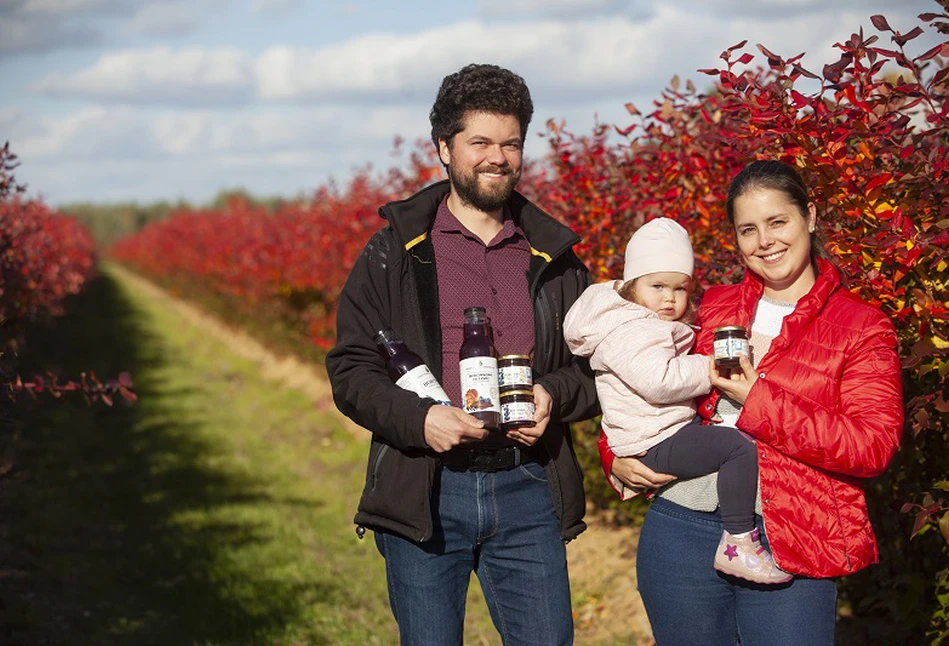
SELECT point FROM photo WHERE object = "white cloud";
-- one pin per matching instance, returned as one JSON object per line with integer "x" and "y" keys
{"x": 552, "y": 9}
{"x": 189, "y": 77}
{"x": 91, "y": 133}
{"x": 574, "y": 61}
{"x": 102, "y": 154}
{"x": 275, "y": 6}
{"x": 30, "y": 26}
{"x": 59, "y": 7}
{"x": 167, "y": 18}
{"x": 117, "y": 133}
{"x": 19, "y": 34}
{"x": 306, "y": 113}
{"x": 569, "y": 60}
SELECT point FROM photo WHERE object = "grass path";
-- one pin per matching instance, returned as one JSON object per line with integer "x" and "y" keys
{"x": 216, "y": 510}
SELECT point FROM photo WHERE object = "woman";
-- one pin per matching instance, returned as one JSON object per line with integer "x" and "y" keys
{"x": 821, "y": 397}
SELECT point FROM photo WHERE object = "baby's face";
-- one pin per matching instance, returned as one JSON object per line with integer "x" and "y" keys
{"x": 664, "y": 292}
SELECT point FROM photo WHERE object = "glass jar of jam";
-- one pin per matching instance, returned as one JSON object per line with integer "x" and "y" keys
{"x": 517, "y": 409}
{"x": 514, "y": 372}
{"x": 731, "y": 343}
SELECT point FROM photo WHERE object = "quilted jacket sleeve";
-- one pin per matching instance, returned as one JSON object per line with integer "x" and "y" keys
{"x": 607, "y": 457}
{"x": 857, "y": 435}
{"x": 643, "y": 355}
{"x": 572, "y": 385}
{"x": 362, "y": 389}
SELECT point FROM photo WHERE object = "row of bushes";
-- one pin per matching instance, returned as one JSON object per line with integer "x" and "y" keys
{"x": 44, "y": 257}
{"x": 871, "y": 138}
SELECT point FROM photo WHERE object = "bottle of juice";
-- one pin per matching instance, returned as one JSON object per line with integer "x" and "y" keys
{"x": 478, "y": 363}
{"x": 407, "y": 369}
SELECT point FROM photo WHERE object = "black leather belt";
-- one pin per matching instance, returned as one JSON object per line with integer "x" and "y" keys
{"x": 485, "y": 459}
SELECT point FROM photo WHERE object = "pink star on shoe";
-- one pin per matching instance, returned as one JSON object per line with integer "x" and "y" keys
{"x": 731, "y": 552}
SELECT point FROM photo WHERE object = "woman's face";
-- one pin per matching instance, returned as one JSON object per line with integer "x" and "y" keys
{"x": 775, "y": 243}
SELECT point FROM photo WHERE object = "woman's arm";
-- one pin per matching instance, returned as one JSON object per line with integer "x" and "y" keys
{"x": 628, "y": 477}
{"x": 644, "y": 356}
{"x": 858, "y": 436}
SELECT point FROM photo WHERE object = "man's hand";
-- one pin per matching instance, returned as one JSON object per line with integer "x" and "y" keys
{"x": 543, "y": 405}
{"x": 637, "y": 476}
{"x": 737, "y": 384}
{"x": 446, "y": 427}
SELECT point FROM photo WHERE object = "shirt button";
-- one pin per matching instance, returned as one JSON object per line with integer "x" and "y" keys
{"x": 761, "y": 374}
{"x": 767, "y": 501}
{"x": 494, "y": 291}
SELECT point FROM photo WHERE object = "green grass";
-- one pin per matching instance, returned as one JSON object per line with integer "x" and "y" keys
{"x": 216, "y": 510}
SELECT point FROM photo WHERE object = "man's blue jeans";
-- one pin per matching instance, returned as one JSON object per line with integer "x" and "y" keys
{"x": 689, "y": 602}
{"x": 502, "y": 526}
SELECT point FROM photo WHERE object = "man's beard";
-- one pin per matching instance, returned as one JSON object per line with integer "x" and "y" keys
{"x": 484, "y": 199}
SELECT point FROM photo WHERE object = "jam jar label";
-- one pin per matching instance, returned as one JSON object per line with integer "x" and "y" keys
{"x": 731, "y": 348}
{"x": 515, "y": 376}
{"x": 517, "y": 412}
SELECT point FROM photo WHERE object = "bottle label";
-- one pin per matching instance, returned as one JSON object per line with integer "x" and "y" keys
{"x": 731, "y": 348}
{"x": 515, "y": 376}
{"x": 479, "y": 384}
{"x": 422, "y": 382}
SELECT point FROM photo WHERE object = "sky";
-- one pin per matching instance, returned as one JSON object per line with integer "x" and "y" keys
{"x": 115, "y": 100}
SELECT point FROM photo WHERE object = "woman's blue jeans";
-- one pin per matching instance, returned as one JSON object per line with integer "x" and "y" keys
{"x": 502, "y": 526}
{"x": 689, "y": 602}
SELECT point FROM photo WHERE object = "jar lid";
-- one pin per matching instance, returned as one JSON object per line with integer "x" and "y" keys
{"x": 514, "y": 356}
{"x": 508, "y": 393}
{"x": 732, "y": 328}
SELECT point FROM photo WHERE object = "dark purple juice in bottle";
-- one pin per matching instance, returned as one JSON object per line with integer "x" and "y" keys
{"x": 478, "y": 365}
{"x": 407, "y": 369}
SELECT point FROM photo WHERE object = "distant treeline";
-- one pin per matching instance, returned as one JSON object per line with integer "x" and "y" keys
{"x": 110, "y": 221}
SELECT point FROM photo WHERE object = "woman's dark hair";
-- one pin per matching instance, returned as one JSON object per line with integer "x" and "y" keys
{"x": 777, "y": 176}
{"x": 481, "y": 88}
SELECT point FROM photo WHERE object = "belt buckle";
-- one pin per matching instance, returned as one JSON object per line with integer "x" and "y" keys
{"x": 494, "y": 460}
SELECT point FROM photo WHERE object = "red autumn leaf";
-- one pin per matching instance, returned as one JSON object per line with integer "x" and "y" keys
{"x": 938, "y": 78}
{"x": 746, "y": 58}
{"x": 902, "y": 39}
{"x": 932, "y": 53}
{"x": 880, "y": 22}
{"x": 920, "y": 521}
{"x": 738, "y": 46}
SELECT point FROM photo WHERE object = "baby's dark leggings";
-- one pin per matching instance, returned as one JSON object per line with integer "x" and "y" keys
{"x": 697, "y": 450}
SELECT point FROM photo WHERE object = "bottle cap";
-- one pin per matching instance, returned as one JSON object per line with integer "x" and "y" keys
{"x": 476, "y": 312}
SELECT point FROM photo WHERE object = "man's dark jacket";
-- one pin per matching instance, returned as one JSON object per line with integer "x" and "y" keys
{"x": 393, "y": 284}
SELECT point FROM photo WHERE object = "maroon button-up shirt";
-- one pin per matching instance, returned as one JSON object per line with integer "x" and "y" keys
{"x": 493, "y": 276}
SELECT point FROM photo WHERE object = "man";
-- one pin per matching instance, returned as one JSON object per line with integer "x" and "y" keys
{"x": 444, "y": 495}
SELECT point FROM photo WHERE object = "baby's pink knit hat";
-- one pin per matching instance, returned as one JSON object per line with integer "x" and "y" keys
{"x": 659, "y": 245}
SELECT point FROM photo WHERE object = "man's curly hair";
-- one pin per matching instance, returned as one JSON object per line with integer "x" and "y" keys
{"x": 482, "y": 88}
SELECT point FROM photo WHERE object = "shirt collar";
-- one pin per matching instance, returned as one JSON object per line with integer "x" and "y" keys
{"x": 446, "y": 222}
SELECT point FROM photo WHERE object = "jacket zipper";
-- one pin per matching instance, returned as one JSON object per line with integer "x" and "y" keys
{"x": 543, "y": 308}
{"x": 840, "y": 523}
{"x": 376, "y": 463}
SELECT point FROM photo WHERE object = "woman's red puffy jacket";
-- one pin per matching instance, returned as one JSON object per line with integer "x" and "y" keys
{"x": 826, "y": 412}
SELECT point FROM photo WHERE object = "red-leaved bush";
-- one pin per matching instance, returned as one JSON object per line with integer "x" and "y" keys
{"x": 869, "y": 134}
{"x": 44, "y": 258}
